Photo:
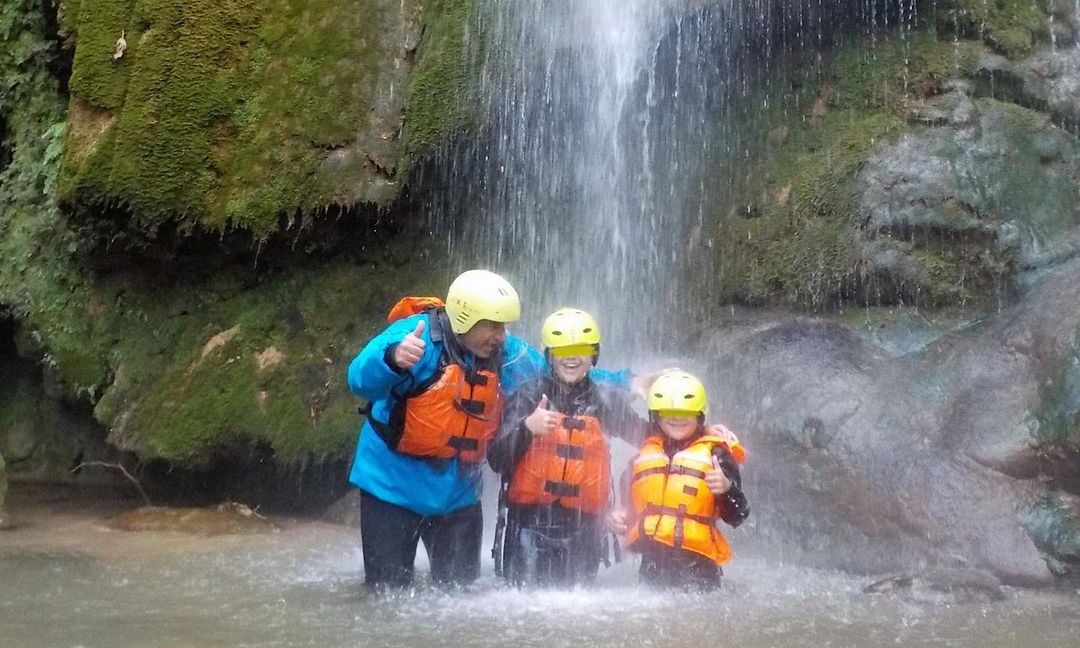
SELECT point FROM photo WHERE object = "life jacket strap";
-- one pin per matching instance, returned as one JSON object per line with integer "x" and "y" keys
{"x": 561, "y": 489}
{"x": 648, "y": 472}
{"x": 680, "y": 512}
{"x": 567, "y": 451}
{"x": 571, "y": 423}
{"x": 471, "y": 407}
{"x": 463, "y": 444}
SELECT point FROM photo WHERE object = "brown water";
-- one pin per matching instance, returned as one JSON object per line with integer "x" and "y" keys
{"x": 66, "y": 580}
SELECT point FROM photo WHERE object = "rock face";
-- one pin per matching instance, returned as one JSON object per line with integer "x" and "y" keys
{"x": 966, "y": 206}
{"x": 876, "y": 461}
{"x": 199, "y": 348}
{"x": 233, "y": 115}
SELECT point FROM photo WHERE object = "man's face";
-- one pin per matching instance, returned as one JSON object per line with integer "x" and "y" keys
{"x": 571, "y": 369}
{"x": 485, "y": 338}
{"x": 678, "y": 427}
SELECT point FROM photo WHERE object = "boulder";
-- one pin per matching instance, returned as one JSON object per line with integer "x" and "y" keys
{"x": 880, "y": 458}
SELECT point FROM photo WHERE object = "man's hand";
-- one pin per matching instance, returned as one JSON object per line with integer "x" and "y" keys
{"x": 542, "y": 421}
{"x": 410, "y": 349}
{"x": 617, "y": 522}
{"x": 716, "y": 480}
{"x": 640, "y": 384}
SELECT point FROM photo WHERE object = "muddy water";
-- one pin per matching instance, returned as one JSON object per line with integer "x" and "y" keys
{"x": 66, "y": 580}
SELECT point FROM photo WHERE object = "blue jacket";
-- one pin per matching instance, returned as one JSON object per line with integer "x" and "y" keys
{"x": 423, "y": 486}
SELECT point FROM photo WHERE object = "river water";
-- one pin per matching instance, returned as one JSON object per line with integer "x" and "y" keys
{"x": 66, "y": 580}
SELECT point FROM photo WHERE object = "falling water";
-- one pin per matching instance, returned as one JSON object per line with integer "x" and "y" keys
{"x": 612, "y": 130}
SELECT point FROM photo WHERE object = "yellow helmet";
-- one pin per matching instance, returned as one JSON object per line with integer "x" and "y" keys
{"x": 677, "y": 393}
{"x": 571, "y": 332}
{"x": 480, "y": 295}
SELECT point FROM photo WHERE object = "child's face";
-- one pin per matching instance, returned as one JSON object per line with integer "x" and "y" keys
{"x": 571, "y": 369}
{"x": 678, "y": 427}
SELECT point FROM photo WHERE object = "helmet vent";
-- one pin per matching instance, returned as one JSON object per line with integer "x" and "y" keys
{"x": 587, "y": 330}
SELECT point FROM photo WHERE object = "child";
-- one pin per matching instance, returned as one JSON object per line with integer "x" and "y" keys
{"x": 685, "y": 478}
{"x": 552, "y": 451}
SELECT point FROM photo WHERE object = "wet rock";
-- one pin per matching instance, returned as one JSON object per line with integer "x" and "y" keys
{"x": 963, "y": 209}
{"x": 225, "y": 519}
{"x": 941, "y": 585}
{"x": 889, "y": 585}
{"x": 1054, "y": 524}
{"x": 873, "y": 461}
{"x": 346, "y": 510}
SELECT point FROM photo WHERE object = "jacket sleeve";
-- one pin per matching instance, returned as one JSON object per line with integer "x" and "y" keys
{"x": 734, "y": 508}
{"x": 371, "y": 373}
{"x": 620, "y": 419}
{"x": 513, "y": 438}
{"x": 621, "y": 378}
{"x": 521, "y": 363}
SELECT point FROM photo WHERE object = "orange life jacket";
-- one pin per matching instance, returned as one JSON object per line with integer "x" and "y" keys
{"x": 455, "y": 412}
{"x": 570, "y": 465}
{"x": 671, "y": 501}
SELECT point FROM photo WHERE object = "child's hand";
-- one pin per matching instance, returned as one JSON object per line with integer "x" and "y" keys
{"x": 716, "y": 480}
{"x": 617, "y": 522}
{"x": 410, "y": 349}
{"x": 542, "y": 420}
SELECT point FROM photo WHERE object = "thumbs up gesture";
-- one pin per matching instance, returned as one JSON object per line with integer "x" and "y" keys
{"x": 716, "y": 480}
{"x": 542, "y": 420}
{"x": 410, "y": 349}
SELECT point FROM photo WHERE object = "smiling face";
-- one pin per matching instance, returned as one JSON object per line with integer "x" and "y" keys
{"x": 571, "y": 369}
{"x": 678, "y": 427}
{"x": 485, "y": 338}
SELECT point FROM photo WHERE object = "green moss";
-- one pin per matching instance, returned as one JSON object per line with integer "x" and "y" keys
{"x": 225, "y": 114}
{"x": 441, "y": 91}
{"x": 797, "y": 240}
{"x": 1008, "y": 26}
{"x": 190, "y": 384}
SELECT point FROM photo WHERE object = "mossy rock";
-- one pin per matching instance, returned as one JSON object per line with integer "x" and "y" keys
{"x": 1010, "y": 27}
{"x": 796, "y": 241}
{"x": 252, "y": 115}
{"x": 812, "y": 231}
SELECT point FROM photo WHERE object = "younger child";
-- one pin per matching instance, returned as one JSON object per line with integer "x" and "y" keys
{"x": 552, "y": 451}
{"x": 685, "y": 478}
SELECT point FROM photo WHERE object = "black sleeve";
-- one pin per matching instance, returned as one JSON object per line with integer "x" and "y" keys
{"x": 512, "y": 438}
{"x": 619, "y": 418}
{"x": 734, "y": 508}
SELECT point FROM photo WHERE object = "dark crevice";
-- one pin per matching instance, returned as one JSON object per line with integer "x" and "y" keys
{"x": 110, "y": 243}
{"x": 62, "y": 53}
{"x": 251, "y": 476}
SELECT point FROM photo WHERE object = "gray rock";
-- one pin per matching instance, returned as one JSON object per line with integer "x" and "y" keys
{"x": 346, "y": 510}
{"x": 968, "y": 205}
{"x": 871, "y": 461}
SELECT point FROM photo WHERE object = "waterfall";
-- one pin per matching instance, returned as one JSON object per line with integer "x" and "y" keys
{"x": 611, "y": 130}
